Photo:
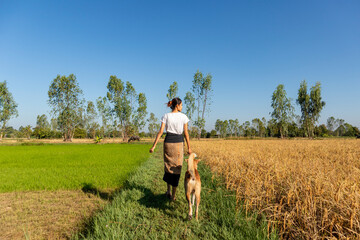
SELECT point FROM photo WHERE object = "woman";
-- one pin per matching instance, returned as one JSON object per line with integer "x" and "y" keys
{"x": 175, "y": 123}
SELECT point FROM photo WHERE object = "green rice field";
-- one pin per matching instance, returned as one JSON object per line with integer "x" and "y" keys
{"x": 68, "y": 166}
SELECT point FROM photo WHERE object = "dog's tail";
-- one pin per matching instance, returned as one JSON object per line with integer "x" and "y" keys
{"x": 190, "y": 166}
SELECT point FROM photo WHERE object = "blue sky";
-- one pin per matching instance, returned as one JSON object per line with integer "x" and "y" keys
{"x": 249, "y": 47}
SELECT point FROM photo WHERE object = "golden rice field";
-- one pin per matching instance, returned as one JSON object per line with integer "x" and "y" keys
{"x": 308, "y": 189}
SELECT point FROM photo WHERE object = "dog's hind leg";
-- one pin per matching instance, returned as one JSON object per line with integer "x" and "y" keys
{"x": 197, "y": 204}
{"x": 188, "y": 198}
{"x": 193, "y": 198}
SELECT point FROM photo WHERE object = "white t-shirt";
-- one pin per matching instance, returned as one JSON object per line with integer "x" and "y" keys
{"x": 174, "y": 122}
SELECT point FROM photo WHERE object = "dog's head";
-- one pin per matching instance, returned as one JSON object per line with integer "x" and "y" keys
{"x": 195, "y": 160}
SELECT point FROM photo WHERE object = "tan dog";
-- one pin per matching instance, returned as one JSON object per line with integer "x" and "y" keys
{"x": 192, "y": 184}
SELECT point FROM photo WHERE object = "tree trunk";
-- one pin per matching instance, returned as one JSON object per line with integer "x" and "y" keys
{"x": 67, "y": 136}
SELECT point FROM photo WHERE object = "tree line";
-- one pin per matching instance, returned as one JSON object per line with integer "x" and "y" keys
{"x": 122, "y": 112}
{"x": 284, "y": 122}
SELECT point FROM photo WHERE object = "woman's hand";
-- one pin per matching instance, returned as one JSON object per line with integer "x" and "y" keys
{"x": 152, "y": 149}
{"x": 189, "y": 151}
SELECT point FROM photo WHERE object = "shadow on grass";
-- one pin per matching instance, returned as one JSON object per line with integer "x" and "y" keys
{"x": 151, "y": 200}
{"x": 90, "y": 188}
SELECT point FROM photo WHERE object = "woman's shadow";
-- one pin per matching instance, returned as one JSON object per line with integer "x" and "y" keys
{"x": 149, "y": 200}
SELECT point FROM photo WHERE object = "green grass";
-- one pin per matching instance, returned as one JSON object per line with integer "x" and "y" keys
{"x": 140, "y": 210}
{"x": 71, "y": 166}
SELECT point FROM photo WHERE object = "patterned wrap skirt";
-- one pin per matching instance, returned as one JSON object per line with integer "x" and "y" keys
{"x": 173, "y": 158}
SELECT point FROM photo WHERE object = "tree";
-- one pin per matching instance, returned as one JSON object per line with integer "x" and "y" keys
{"x": 311, "y": 106}
{"x": 330, "y": 124}
{"x": 65, "y": 99}
{"x": 231, "y": 127}
{"x": 42, "y": 122}
{"x": 140, "y": 116}
{"x": 222, "y": 127}
{"x": 193, "y": 131}
{"x": 123, "y": 100}
{"x": 321, "y": 131}
{"x": 104, "y": 110}
{"x": 259, "y": 126}
{"x": 351, "y": 131}
{"x": 246, "y": 128}
{"x": 90, "y": 124}
{"x": 54, "y": 124}
{"x": 283, "y": 110}
{"x": 236, "y": 127}
{"x": 272, "y": 128}
{"x": 201, "y": 89}
{"x": 26, "y": 131}
{"x": 173, "y": 91}
{"x": 42, "y": 129}
{"x": 8, "y": 107}
{"x": 190, "y": 104}
{"x": 213, "y": 133}
{"x": 153, "y": 125}
{"x": 203, "y": 133}
{"x": 263, "y": 127}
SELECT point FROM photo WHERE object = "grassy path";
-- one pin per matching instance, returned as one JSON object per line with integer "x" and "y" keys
{"x": 141, "y": 211}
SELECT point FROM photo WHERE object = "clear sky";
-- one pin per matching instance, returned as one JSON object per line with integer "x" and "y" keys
{"x": 249, "y": 47}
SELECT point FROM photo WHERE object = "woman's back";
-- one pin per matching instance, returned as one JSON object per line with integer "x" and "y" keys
{"x": 174, "y": 122}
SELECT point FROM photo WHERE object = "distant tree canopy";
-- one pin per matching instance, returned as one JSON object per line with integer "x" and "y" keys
{"x": 127, "y": 106}
{"x": 311, "y": 105}
{"x": 8, "y": 107}
{"x": 173, "y": 91}
{"x": 153, "y": 125}
{"x": 199, "y": 99}
{"x": 283, "y": 110}
{"x": 65, "y": 99}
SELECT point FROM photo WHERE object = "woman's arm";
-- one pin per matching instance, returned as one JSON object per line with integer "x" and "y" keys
{"x": 186, "y": 133}
{"x": 158, "y": 137}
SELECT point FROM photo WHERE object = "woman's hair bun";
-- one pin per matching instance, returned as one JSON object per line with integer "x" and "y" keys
{"x": 172, "y": 104}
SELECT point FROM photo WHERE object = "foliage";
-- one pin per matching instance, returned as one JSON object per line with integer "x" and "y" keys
{"x": 98, "y": 139}
{"x": 80, "y": 133}
{"x": 283, "y": 110}
{"x": 8, "y": 107}
{"x": 311, "y": 106}
{"x": 173, "y": 91}
{"x": 25, "y": 131}
{"x": 222, "y": 127}
{"x": 104, "y": 111}
{"x": 201, "y": 89}
{"x": 193, "y": 132}
{"x": 64, "y": 98}
{"x": 123, "y": 99}
{"x": 42, "y": 129}
{"x": 140, "y": 115}
{"x": 190, "y": 104}
{"x": 153, "y": 125}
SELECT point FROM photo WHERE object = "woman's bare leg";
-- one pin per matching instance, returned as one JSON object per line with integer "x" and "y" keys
{"x": 168, "y": 189}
